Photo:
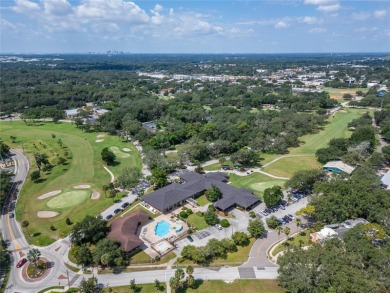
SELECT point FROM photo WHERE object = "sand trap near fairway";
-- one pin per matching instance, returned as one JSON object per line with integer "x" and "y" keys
{"x": 101, "y": 135}
{"x": 118, "y": 153}
{"x": 82, "y": 186}
{"x": 99, "y": 140}
{"x": 68, "y": 199}
{"x": 47, "y": 214}
{"x": 95, "y": 195}
{"x": 49, "y": 194}
{"x": 126, "y": 150}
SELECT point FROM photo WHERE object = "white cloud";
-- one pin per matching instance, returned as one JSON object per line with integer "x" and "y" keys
{"x": 158, "y": 8}
{"x": 317, "y": 30}
{"x": 319, "y": 2}
{"x": 329, "y": 8}
{"x": 311, "y": 20}
{"x": 25, "y": 6}
{"x": 5, "y": 25}
{"x": 281, "y": 24}
{"x": 380, "y": 13}
{"x": 112, "y": 10}
{"x": 57, "y": 7}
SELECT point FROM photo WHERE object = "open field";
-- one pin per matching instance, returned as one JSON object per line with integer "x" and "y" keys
{"x": 197, "y": 221}
{"x": 336, "y": 128}
{"x": 215, "y": 286}
{"x": 286, "y": 167}
{"x": 256, "y": 182}
{"x": 337, "y": 94}
{"x": 83, "y": 167}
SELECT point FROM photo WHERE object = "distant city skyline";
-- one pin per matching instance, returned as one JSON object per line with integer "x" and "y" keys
{"x": 283, "y": 26}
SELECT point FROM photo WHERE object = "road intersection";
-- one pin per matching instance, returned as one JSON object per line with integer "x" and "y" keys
{"x": 257, "y": 267}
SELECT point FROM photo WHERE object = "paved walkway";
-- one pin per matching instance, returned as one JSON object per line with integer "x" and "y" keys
{"x": 111, "y": 174}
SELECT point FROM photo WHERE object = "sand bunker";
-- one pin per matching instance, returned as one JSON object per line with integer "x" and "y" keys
{"x": 101, "y": 135}
{"x": 126, "y": 149}
{"x": 47, "y": 214}
{"x": 49, "y": 194}
{"x": 95, "y": 195}
{"x": 99, "y": 140}
{"x": 82, "y": 186}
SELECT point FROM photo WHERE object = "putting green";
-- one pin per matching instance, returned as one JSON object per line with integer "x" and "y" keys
{"x": 68, "y": 199}
{"x": 261, "y": 186}
{"x": 118, "y": 153}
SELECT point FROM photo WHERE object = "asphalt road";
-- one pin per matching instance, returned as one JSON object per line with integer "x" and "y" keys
{"x": 257, "y": 265}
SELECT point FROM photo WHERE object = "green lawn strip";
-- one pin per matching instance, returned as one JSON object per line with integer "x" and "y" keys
{"x": 202, "y": 200}
{"x": 293, "y": 241}
{"x": 286, "y": 167}
{"x": 197, "y": 221}
{"x": 72, "y": 268}
{"x": 50, "y": 289}
{"x": 215, "y": 286}
{"x": 336, "y": 128}
{"x": 85, "y": 167}
{"x": 142, "y": 257}
{"x": 256, "y": 182}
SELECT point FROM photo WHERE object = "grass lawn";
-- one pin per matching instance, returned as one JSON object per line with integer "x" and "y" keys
{"x": 83, "y": 166}
{"x": 142, "y": 256}
{"x": 197, "y": 221}
{"x": 293, "y": 241}
{"x": 286, "y": 167}
{"x": 337, "y": 94}
{"x": 256, "y": 182}
{"x": 202, "y": 200}
{"x": 215, "y": 286}
{"x": 241, "y": 255}
{"x": 336, "y": 128}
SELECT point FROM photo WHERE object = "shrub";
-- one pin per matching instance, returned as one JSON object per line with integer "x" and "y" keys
{"x": 189, "y": 212}
{"x": 224, "y": 223}
{"x": 180, "y": 259}
{"x": 183, "y": 214}
{"x": 252, "y": 214}
{"x": 211, "y": 207}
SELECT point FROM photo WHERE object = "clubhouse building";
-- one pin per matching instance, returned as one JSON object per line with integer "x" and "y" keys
{"x": 193, "y": 185}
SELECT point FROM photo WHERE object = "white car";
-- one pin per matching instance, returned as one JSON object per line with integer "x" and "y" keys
{"x": 219, "y": 227}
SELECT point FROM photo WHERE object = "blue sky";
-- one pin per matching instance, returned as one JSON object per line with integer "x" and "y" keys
{"x": 262, "y": 26}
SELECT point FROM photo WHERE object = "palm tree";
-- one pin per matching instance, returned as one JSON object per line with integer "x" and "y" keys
{"x": 174, "y": 283}
{"x": 287, "y": 231}
{"x": 190, "y": 281}
{"x": 189, "y": 270}
{"x": 298, "y": 221}
{"x": 279, "y": 229}
{"x": 33, "y": 256}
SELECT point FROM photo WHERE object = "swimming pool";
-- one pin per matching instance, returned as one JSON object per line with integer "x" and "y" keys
{"x": 178, "y": 227}
{"x": 162, "y": 228}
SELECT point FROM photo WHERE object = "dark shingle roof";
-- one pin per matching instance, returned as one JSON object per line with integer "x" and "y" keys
{"x": 196, "y": 183}
{"x": 124, "y": 230}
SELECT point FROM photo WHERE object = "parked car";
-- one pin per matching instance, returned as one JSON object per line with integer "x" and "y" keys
{"x": 218, "y": 226}
{"x": 291, "y": 216}
{"x": 126, "y": 204}
{"x": 108, "y": 217}
{"x": 117, "y": 211}
{"x": 21, "y": 262}
{"x": 190, "y": 239}
{"x": 11, "y": 215}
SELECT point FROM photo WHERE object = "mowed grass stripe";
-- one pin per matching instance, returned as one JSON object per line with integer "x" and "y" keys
{"x": 336, "y": 128}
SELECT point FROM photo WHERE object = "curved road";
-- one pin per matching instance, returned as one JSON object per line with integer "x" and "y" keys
{"x": 257, "y": 266}
{"x": 18, "y": 245}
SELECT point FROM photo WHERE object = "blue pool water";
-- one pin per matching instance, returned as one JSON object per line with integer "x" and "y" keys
{"x": 162, "y": 228}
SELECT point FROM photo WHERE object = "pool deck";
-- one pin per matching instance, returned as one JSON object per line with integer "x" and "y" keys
{"x": 150, "y": 239}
